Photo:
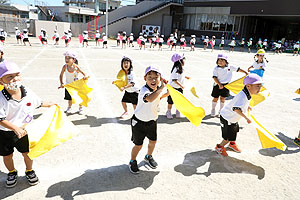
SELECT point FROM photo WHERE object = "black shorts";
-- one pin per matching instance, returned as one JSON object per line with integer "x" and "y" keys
{"x": 85, "y": 40}
{"x": 205, "y": 43}
{"x": 193, "y": 44}
{"x": 131, "y": 41}
{"x": 44, "y": 40}
{"x": 123, "y": 41}
{"x": 142, "y": 43}
{"x": 105, "y": 42}
{"x": 130, "y": 97}
{"x": 9, "y": 141}
{"x": 160, "y": 43}
{"x": 221, "y": 45}
{"x": 296, "y": 49}
{"x": 242, "y": 45}
{"x": 217, "y": 92}
{"x": 56, "y": 39}
{"x": 96, "y": 39}
{"x": 181, "y": 43}
{"x": 2, "y": 38}
{"x": 170, "y": 101}
{"x": 141, "y": 129}
{"x": 18, "y": 37}
{"x": 67, "y": 95}
{"x": 25, "y": 40}
{"x": 229, "y": 132}
{"x": 155, "y": 43}
{"x": 66, "y": 41}
{"x": 174, "y": 44}
{"x": 118, "y": 41}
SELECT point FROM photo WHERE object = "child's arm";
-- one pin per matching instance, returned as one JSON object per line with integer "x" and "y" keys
{"x": 20, "y": 132}
{"x": 187, "y": 77}
{"x": 84, "y": 76}
{"x": 47, "y": 104}
{"x": 250, "y": 68}
{"x": 165, "y": 95}
{"x": 127, "y": 86}
{"x": 180, "y": 85}
{"x": 238, "y": 111}
{"x": 151, "y": 97}
{"x": 241, "y": 70}
{"x": 218, "y": 83}
{"x": 61, "y": 77}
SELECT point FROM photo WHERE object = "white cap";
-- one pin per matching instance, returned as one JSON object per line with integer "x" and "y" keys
{"x": 131, "y": 33}
{"x": 97, "y": 31}
{"x": 71, "y": 54}
{"x": 16, "y": 28}
{"x": 103, "y": 33}
{"x": 25, "y": 29}
{"x": 85, "y": 32}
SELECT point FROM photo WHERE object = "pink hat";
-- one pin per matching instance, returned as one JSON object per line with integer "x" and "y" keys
{"x": 222, "y": 56}
{"x": 71, "y": 54}
{"x": 252, "y": 79}
{"x": 177, "y": 57}
{"x": 152, "y": 68}
{"x": 8, "y": 68}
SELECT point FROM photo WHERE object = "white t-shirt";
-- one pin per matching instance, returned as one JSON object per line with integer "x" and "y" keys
{"x": 85, "y": 36}
{"x": 265, "y": 43}
{"x": 182, "y": 39}
{"x": 70, "y": 35}
{"x": 257, "y": 65}
{"x": 146, "y": 111}
{"x": 66, "y": 36}
{"x": 18, "y": 112}
{"x": 56, "y": 35}
{"x": 98, "y": 35}
{"x": 232, "y": 43}
{"x": 206, "y": 40}
{"x": 259, "y": 42}
{"x": 161, "y": 40}
{"x": 240, "y": 101}
{"x": 224, "y": 75}
{"x": 131, "y": 38}
{"x": 25, "y": 35}
{"x": 132, "y": 79}
{"x": 176, "y": 76}
{"x": 213, "y": 42}
{"x": 222, "y": 41}
{"x": 277, "y": 45}
{"x": 18, "y": 32}
{"x": 296, "y": 46}
{"x": 44, "y": 35}
{"x": 104, "y": 38}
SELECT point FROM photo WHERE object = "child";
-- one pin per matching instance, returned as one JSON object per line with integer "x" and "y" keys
{"x": 85, "y": 38}
{"x": 3, "y": 35}
{"x": 176, "y": 81}
{"x": 296, "y": 48}
{"x": 44, "y": 36}
{"x": 234, "y": 111}
{"x": 70, "y": 34}
{"x": 213, "y": 43}
{"x": 16, "y": 110}
{"x": 171, "y": 38}
{"x": 205, "y": 42}
{"x": 242, "y": 44}
{"x": 97, "y": 38}
{"x": 265, "y": 44}
{"x": 193, "y": 42}
{"x": 144, "y": 41}
{"x": 173, "y": 42}
{"x": 71, "y": 71}
{"x": 131, "y": 38}
{"x": 232, "y": 44}
{"x": 118, "y": 39}
{"x": 56, "y": 37}
{"x": 144, "y": 120}
{"x": 18, "y": 35}
{"x": 132, "y": 87}
{"x": 182, "y": 41}
{"x": 259, "y": 64}
{"x": 222, "y": 43}
{"x": 25, "y": 37}
{"x": 278, "y": 47}
{"x": 67, "y": 38}
{"x": 160, "y": 43}
{"x": 124, "y": 39}
{"x": 297, "y": 140}
{"x": 222, "y": 75}
{"x": 104, "y": 40}
{"x": 1, "y": 54}
{"x": 249, "y": 44}
{"x": 259, "y": 44}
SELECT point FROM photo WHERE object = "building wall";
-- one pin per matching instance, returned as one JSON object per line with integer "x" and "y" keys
{"x": 49, "y": 26}
{"x": 122, "y": 25}
{"x": 9, "y": 24}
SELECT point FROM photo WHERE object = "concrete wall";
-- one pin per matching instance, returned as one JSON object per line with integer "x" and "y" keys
{"x": 49, "y": 26}
{"x": 122, "y": 25}
{"x": 160, "y": 18}
{"x": 9, "y": 24}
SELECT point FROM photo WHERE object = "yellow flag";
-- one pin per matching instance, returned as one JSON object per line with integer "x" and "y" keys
{"x": 1, "y": 87}
{"x": 267, "y": 139}
{"x": 298, "y": 91}
{"x": 121, "y": 79}
{"x": 51, "y": 129}
{"x": 193, "y": 91}
{"x": 237, "y": 85}
{"x": 79, "y": 92}
{"x": 193, "y": 113}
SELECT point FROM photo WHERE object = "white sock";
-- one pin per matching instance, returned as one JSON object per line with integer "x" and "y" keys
{"x": 221, "y": 105}
{"x": 214, "y": 104}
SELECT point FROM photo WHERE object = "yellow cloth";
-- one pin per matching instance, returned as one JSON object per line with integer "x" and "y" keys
{"x": 79, "y": 92}
{"x": 267, "y": 139}
{"x": 121, "y": 79}
{"x": 189, "y": 85}
{"x": 51, "y": 129}
{"x": 1, "y": 87}
{"x": 237, "y": 85}
{"x": 298, "y": 91}
{"x": 193, "y": 113}
{"x": 193, "y": 91}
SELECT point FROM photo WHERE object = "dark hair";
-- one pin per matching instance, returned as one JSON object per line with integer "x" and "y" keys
{"x": 223, "y": 59}
{"x": 178, "y": 66}
{"x": 262, "y": 60}
{"x": 76, "y": 61}
{"x": 129, "y": 60}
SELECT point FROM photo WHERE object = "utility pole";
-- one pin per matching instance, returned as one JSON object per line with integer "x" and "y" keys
{"x": 106, "y": 19}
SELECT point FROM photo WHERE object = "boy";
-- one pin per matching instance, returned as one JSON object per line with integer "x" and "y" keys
{"x": 234, "y": 111}
{"x": 297, "y": 140}
{"x": 143, "y": 122}
{"x": 17, "y": 104}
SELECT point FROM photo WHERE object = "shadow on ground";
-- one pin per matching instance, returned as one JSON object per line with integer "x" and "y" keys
{"x": 115, "y": 178}
{"x": 273, "y": 152}
{"x": 217, "y": 164}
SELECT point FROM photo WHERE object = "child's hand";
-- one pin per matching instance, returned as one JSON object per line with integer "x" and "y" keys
{"x": 122, "y": 89}
{"x": 61, "y": 86}
{"x": 20, "y": 132}
{"x": 86, "y": 77}
{"x": 249, "y": 108}
{"x": 221, "y": 86}
{"x": 163, "y": 83}
{"x": 188, "y": 77}
{"x": 248, "y": 121}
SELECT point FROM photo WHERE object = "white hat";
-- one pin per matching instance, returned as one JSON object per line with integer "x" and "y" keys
{"x": 1, "y": 29}
{"x": 97, "y": 31}
{"x": 55, "y": 30}
{"x": 131, "y": 33}
{"x": 103, "y": 33}
{"x": 16, "y": 28}
{"x": 42, "y": 29}
{"x": 25, "y": 30}
{"x": 71, "y": 54}
{"x": 85, "y": 32}
{"x": 193, "y": 35}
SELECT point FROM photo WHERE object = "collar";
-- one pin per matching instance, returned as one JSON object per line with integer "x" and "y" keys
{"x": 149, "y": 88}
{"x": 8, "y": 96}
{"x": 245, "y": 90}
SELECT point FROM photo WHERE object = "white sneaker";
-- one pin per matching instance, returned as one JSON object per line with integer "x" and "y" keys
{"x": 69, "y": 110}
{"x": 169, "y": 114}
{"x": 80, "y": 111}
{"x": 124, "y": 115}
{"x": 213, "y": 113}
{"x": 178, "y": 114}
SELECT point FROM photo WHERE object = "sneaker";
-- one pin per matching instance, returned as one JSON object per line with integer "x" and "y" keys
{"x": 133, "y": 167}
{"x": 169, "y": 114}
{"x": 125, "y": 114}
{"x": 213, "y": 113}
{"x": 32, "y": 178}
{"x": 178, "y": 114}
{"x": 150, "y": 161}
{"x": 221, "y": 150}
{"x": 69, "y": 110}
{"x": 11, "y": 180}
{"x": 297, "y": 141}
{"x": 234, "y": 147}
{"x": 80, "y": 111}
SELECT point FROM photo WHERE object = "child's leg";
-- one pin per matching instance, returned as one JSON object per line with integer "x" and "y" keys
{"x": 28, "y": 161}
{"x": 70, "y": 103}
{"x": 135, "y": 151}
{"x": 224, "y": 142}
{"x": 124, "y": 106}
{"x": 222, "y": 102}
{"x": 170, "y": 107}
{"x": 134, "y": 106}
{"x": 151, "y": 147}
{"x": 9, "y": 162}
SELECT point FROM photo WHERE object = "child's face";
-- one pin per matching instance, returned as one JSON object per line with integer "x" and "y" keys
{"x": 221, "y": 62}
{"x": 254, "y": 88}
{"x": 182, "y": 62}
{"x": 126, "y": 65}
{"x": 69, "y": 60}
{"x": 10, "y": 78}
{"x": 152, "y": 79}
{"x": 1, "y": 55}
{"x": 260, "y": 57}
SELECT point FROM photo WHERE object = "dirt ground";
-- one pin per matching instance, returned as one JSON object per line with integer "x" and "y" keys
{"x": 94, "y": 164}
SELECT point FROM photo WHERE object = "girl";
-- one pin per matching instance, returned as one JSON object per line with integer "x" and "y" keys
{"x": 131, "y": 38}
{"x": 118, "y": 39}
{"x": 3, "y": 35}
{"x": 265, "y": 44}
{"x": 222, "y": 75}
{"x": 205, "y": 42}
{"x": 131, "y": 89}
{"x": 56, "y": 37}
{"x": 124, "y": 39}
{"x": 71, "y": 71}
{"x": 97, "y": 38}
{"x": 104, "y": 40}
{"x": 173, "y": 42}
{"x": 18, "y": 35}
{"x": 249, "y": 44}
{"x": 193, "y": 42}
{"x": 160, "y": 43}
{"x": 182, "y": 41}
{"x": 85, "y": 38}
{"x": 232, "y": 44}
{"x": 176, "y": 81}
{"x": 44, "y": 36}
{"x": 25, "y": 37}
{"x": 278, "y": 47}
{"x": 259, "y": 64}
{"x": 242, "y": 44}
{"x": 222, "y": 43}
{"x": 213, "y": 43}
{"x": 67, "y": 38}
